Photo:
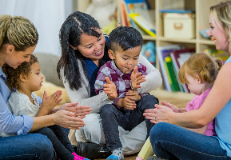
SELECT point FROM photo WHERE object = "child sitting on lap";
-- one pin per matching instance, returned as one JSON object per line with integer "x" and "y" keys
{"x": 118, "y": 79}
{"x": 199, "y": 72}
{"x": 26, "y": 79}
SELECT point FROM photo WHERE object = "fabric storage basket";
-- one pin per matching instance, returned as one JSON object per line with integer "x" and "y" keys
{"x": 179, "y": 25}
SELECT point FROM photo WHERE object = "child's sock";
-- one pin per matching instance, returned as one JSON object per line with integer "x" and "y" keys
{"x": 116, "y": 155}
{"x": 138, "y": 158}
{"x": 77, "y": 157}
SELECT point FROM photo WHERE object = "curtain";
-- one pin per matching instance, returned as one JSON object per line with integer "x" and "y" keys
{"x": 46, "y": 15}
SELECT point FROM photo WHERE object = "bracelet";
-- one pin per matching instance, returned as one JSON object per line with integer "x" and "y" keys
{"x": 131, "y": 86}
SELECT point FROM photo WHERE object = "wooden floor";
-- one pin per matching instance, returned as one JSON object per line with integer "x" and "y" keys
{"x": 178, "y": 101}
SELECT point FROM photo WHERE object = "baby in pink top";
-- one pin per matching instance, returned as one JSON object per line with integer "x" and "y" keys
{"x": 199, "y": 73}
{"x": 196, "y": 103}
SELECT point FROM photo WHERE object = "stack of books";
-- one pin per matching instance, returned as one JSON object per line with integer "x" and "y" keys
{"x": 171, "y": 59}
{"x": 134, "y": 13}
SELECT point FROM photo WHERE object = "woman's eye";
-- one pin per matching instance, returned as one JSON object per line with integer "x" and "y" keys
{"x": 125, "y": 58}
{"x": 211, "y": 27}
{"x": 99, "y": 39}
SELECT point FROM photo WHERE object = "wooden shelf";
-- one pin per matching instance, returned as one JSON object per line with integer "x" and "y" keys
{"x": 201, "y": 8}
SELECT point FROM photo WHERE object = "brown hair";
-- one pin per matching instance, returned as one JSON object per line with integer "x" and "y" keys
{"x": 18, "y": 31}
{"x": 12, "y": 75}
{"x": 200, "y": 64}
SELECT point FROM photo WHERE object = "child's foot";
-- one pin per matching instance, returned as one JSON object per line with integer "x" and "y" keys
{"x": 116, "y": 155}
{"x": 138, "y": 158}
{"x": 77, "y": 157}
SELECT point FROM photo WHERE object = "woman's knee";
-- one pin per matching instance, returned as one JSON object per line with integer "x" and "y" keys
{"x": 43, "y": 146}
{"x": 159, "y": 130}
{"x": 93, "y": 130}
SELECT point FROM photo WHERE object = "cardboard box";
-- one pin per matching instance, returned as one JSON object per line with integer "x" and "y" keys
{"x": 179, "y": 25}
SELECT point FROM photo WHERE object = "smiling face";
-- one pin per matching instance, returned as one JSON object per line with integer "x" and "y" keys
{"x": 92, "y": 47}
{"x": 15, "y": 58}
{"x": 125, "y": 60}
{"x": 35, "y": 78}
{"x": 218, "y": 33}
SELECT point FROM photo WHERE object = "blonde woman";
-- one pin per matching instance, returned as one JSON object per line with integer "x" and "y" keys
{"x": 18, "y": 39}
{"x": 169, "y": 140}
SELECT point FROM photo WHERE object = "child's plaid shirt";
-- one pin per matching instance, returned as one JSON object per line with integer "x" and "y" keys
{"x": 121, "y": 80}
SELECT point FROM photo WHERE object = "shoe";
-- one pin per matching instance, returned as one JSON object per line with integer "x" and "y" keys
{"x": 91, "y": 150}
{"x": 155, "y": 158}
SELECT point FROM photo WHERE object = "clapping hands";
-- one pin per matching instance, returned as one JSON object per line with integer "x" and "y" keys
{"x": 110, "y": 89}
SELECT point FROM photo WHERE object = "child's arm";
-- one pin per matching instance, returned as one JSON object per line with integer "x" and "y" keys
{"x": 174, "y": 108}
{"x": 49, "y": 103}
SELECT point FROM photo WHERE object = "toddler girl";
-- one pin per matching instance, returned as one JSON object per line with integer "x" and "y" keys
{"x": 199, "y": 72}
{"x": 23, "y": 81}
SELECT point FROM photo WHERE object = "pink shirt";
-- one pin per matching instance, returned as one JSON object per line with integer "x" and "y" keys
{"x": 196, "y": 103}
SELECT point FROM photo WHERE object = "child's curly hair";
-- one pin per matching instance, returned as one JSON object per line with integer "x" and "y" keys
{"x": 12, "y": 75}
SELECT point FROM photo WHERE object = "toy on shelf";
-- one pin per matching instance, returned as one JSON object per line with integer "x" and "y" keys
{"x": 148, "y": 51}
{"x": 205, "y": 32}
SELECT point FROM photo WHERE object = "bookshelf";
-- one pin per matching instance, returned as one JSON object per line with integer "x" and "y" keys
{"x": 201, "y": 8}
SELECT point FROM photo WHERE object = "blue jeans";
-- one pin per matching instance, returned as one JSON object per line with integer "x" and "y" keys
{"x": 112, "y": 117}
{"x": 173, "y": 142}
{"x": 26, "y": 147}
{"x": 59, "y": 138}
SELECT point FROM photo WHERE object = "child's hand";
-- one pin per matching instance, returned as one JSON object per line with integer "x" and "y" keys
{"x": 110, "y": 89}
{"x": 172, "y": 107}
{"x": 133, "y": 95}
{"x": 51, "y": 101}
{"x": 136, "y": 79}
{"x": 128, "y": 103}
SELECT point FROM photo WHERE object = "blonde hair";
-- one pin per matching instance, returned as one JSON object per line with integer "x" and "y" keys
{"x": 222, "y": 15}
{"x": 200, "y": 64}
{"x": 18, "y": 31}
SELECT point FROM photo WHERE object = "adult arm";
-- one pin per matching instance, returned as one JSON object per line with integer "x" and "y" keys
{"x": 218, "y": 97}
{"x": 82, "y": 95}
{"x": 11, "y": 124}
{"x": 153, "y": 77}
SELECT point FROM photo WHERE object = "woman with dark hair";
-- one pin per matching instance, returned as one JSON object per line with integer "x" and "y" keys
{"x": 84, "y": 51}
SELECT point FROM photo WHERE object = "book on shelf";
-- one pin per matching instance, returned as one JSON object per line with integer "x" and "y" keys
{"x": 163, "y": 52}
{"x": 177, "y": 61}
{"x": 139, "y": 7}
{"x": 143, "y": 23}
{"x": 171, "y": 75}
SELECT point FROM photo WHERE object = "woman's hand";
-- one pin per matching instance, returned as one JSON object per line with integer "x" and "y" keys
{"x": 158, "y": 114}
{"x": 110, "y": 89}
{"x": 79, "y": 111}
{"x": 172, "y": 107}
{"x": 136, "y": 79}
{"x": 67, "y": 119}
{"x": 133, "y": 95}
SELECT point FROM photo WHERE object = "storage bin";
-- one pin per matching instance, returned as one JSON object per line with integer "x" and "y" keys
{"x": 179, "y": 25}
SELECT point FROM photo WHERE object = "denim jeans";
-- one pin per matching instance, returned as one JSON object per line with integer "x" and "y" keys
{"x": 26, "y": 147}
{"x": 112, "y": 117}
{"x": 173, "y": 142}
{"x": 60, "y": 141}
